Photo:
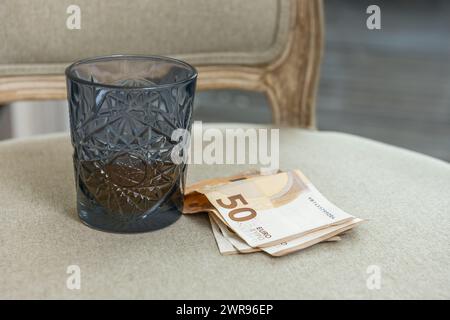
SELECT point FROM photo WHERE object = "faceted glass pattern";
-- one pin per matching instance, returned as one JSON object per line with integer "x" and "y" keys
{"x": 123, "y": 110}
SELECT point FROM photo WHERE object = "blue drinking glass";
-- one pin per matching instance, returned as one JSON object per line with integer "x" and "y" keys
{"x": 123, "y": 111}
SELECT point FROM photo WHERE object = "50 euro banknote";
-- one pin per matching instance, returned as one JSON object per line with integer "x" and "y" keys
{"x": 230, "y": 243}
{"x": 278, "y": 214}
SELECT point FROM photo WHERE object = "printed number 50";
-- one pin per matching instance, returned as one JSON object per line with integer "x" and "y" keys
{"x": 233, "y": 214}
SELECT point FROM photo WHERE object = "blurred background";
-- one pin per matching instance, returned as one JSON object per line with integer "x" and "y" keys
{"x": 391, "y": 85}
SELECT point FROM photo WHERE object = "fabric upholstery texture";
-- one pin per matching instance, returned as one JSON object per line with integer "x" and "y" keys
{"x": 404, "y": 196}
{"x": 37, "y": 41}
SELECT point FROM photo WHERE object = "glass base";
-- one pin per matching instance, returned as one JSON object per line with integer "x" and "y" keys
{"x": 98, "y": 219}
{"x": 105, "y": 206}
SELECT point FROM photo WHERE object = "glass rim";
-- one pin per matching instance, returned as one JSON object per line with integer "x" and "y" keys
{"x": 70, "y": 75}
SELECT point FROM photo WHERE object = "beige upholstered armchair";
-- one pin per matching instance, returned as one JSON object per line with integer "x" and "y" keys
{"x": 270, "y": 46}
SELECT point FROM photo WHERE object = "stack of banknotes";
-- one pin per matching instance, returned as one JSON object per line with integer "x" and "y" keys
{"x": 277, "y": 214}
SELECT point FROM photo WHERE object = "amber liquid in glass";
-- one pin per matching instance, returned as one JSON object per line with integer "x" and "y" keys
{"x": 128, "y": 189}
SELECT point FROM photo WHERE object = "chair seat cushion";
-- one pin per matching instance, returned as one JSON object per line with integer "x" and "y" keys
{"x": 405, "y": 197}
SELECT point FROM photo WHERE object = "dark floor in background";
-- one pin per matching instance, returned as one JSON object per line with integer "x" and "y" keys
{"x": 391, "y": 85}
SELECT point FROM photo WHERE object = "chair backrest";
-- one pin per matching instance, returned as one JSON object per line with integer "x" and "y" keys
{"x": 271, "y": 46}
